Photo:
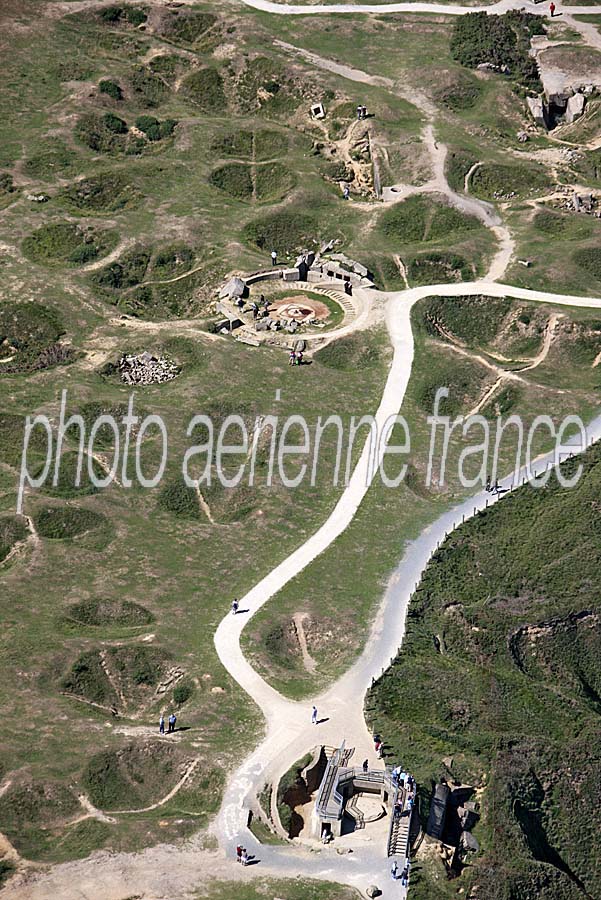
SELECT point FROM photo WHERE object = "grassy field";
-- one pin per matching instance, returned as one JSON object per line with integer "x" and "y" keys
{"x": 173, "y": 147}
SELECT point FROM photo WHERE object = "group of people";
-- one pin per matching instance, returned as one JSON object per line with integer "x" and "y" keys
{"x": 241, "y": 855}
{"x": 296, "y": 358}
{"x": 171, "y": 723}
{"x": 404, "y": 876}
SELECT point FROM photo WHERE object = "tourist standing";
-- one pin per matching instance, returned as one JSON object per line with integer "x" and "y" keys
{"x": 365, "y": 766}
{"x": 172, "y": 721}
{"x": 394, "y": 871}
{"x": 314, "y": 715}
{"x": 274, "y": 258}
{"x": 238, "y": 853}
{"x": 162, "y": 725}
{"x": 235, "y": 606}
{"x": 552, "y": 8}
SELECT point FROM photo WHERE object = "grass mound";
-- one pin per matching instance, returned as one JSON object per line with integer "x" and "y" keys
{"x": 493, "y": 181}
{"x": 473, "y": 320}
{"x": 356, "y": 351}
{"x": 99, "y": 612}
{"x": 204, "y": 88}
{"x": 111, "y": 88}
{"x": 107, "y": 192}
{"x": 177, "y": 498}
{"x": 104, "y": 437}
{"x": 182, "y": 25}
{"x": 121, "y": 678}
{"x": 105, "y": 133}
{"x": 234, "y": 179}
{"x": 463, "y": 92}
{"x": 273, "y": 181}
{"x": 29, "y": 334}
{"x": 53, "y": 159}
{"x": 12, "y": 431}
{"x": 6, "y": 184}
{"x": 30, "y": 813}
{"x": 13, "y": 530}
{"x": 261, "y": 145}
{"x": 457, "y": 165}
{"x": 65, "y": 243}
{"x": 66, "y": 483}
{"x": 172, "y": 260}
{"x": 67, "y": 522}
{"x": 134, "y": 777}
{"x": 285, "y": 230}
{"x": 122, "y": 15}
{"x": 438, "y": 268}
{"x": 422, "y": 219}
{"x": 466, "y": 380}
{"x": 129, "y": 270}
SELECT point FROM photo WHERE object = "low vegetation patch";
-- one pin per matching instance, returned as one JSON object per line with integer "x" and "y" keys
{"x": 134, "y": 777}
{"x": 65, "y": 243}
{"x": 589, "y": 258}
{"x": 111, "y": 88}
{"x": 66, "y": 522}
{"x": 438, "y": 268}
{"x": 285, "y": 230}
{"x": 176, "y": 497}
{"x": 31, "y": 811}
{"x": 13, "y": 530}
{"x": 457, "y": 165}
{"x": 29, "y": 334}
{"x": 121, "y": 678}
{"x": 148, "y": 89}
{"x": 422, "y": 219}
{"x": 234, "y": 179}
{"x": 106, "y": 611}
{"x": 356, "y": 351}
{"x": 463, "y": 92}
{"x": 53, "y": 159}
{"x": 204, "y": 88}
{"x": 492, "y": 181}
{"x": 107, "y": 192}
{"x": 74, "y": 480}
{"x": 182, "y": 25}
{"x": 473, "y": 320}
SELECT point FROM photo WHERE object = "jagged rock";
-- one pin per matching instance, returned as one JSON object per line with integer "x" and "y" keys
{"x": 147, "y": 369}
{"x": 574, "y": 108}
{"x": 537, "y": 110}
{"x": 233, "y": 288}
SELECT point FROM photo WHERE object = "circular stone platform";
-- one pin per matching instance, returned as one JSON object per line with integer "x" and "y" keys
{"x": 300, "y": 308}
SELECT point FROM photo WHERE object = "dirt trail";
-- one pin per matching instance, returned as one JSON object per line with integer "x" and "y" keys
{"x": 299, "y": 620}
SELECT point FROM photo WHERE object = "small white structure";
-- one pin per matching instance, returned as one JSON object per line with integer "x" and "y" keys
{"x": 318, "y": 111}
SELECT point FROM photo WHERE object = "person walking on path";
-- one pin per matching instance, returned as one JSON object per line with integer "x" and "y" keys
{"x": 365, "y": 766}
{"x": 394, "y": 871}
{"x": 172, "y": 721}
{"x": 238, "y": 853}
{"x": 552, "y": 9}
{"x": 235, "y": 606}
{"x": 314, "y": 715}
{"x": 244, "y": 857}
{"x": 162, "y": 725}
{"x": 274, "y": 258}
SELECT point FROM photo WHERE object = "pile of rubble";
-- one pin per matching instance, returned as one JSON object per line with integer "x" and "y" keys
{"x": 499, "y": 195}
{"x": 581, "y": 203}
{"x": 147, "y": 369}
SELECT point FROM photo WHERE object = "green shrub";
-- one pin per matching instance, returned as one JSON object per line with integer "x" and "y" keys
{"x": 438, "y": 268}
{"x": 6, "y": 183}
{"x": 204, "y": 88}
{"x": 148, "y": 88}
{"x": 103, "y": 134}
{"x": 502, "y": 41}
{"x": 111, "y": 88}
{"x": 177, "y": 498}
{"x": 181, "y": 693}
